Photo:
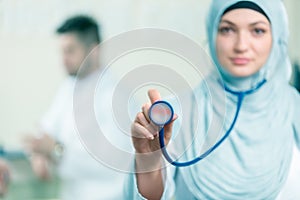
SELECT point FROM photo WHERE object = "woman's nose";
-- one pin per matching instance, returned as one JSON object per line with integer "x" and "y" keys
{"x": 241, "y": 44}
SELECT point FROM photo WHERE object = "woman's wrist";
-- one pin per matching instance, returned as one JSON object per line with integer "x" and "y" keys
{"x": 148, "y": 162}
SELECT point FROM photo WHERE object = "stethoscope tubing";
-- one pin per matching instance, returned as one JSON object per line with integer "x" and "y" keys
{"x": 240, "y": 96}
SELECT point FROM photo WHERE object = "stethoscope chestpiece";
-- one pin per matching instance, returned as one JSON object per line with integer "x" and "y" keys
{"x": 161, "y": 113}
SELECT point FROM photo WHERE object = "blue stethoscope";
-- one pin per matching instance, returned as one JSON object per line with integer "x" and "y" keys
{"x": 161, "y": 113}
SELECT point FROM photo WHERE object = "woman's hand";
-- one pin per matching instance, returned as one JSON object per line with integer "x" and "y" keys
{"x": 144, "y": 132}
{"x": 148, "y": 155}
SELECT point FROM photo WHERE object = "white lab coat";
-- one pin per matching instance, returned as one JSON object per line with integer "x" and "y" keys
{"x": 83, "y": 177}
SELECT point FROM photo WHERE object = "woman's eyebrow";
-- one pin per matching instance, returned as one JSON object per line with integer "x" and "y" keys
{"x": 251, "y": 24}
{"x": 226, "y": 21}
{"x": 259, "y": 22}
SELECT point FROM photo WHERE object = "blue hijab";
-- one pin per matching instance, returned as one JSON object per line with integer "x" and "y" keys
{"x": 253, "y": 162}
{"x": 278, "y": 65}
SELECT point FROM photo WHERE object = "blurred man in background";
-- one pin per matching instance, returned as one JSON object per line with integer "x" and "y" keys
{"x": 59, "y": 145}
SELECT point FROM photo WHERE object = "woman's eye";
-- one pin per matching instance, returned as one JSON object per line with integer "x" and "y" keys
{"x": 225, "y": 30}
{"x": 259, "y": 31}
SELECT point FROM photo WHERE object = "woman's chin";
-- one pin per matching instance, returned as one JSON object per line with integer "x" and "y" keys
{"x": 242, "y": 73}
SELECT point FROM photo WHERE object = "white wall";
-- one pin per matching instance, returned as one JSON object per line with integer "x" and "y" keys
{"x": 30, "y": 65}
{"x": 294, "y": 19}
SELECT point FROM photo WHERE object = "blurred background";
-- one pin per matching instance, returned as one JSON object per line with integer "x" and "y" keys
{"x": 30, "y": 64}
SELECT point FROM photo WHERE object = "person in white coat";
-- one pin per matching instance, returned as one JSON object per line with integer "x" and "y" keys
{"x": 59, "y": 146}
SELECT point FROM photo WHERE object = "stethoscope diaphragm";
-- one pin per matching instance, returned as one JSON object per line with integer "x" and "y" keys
{"x": 161, "y": 113}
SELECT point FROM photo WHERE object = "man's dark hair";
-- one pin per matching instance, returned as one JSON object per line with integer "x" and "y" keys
{"x": 85, "y": 27}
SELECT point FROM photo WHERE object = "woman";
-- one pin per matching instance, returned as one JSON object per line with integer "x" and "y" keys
{"x": 248, "y": 44}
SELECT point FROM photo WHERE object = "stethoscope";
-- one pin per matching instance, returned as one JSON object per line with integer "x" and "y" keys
{"x": 161, "y": 113}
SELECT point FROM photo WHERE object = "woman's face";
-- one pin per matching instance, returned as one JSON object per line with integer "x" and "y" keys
{"x": 244, "y": 42}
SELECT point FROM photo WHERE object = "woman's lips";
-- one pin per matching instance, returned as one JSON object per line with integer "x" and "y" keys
{"x": 240, "y": 61}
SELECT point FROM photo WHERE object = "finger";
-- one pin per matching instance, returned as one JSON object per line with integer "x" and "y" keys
{"x": 39, "y": 165}
{"x": 141, "y": 119}
{"x": 145, "y": 110}
{"x": 154, "y": 95}
{"x": 169, "y": 127}
{"x": 151, "y": 126}
{"x": 2, "y": 184}
{"x": 138, "y": 131}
